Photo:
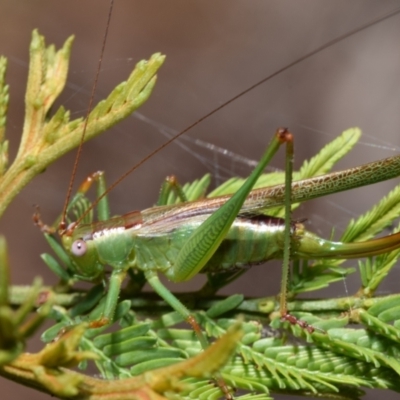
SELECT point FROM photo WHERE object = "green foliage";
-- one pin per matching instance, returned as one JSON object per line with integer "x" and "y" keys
{"x": 147, "y": 353}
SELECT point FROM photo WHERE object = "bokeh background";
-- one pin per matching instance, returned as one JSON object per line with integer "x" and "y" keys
{"x": 214, "y": 50}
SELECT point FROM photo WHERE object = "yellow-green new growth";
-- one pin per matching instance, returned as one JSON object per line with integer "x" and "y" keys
{"x": 45, "y": 140}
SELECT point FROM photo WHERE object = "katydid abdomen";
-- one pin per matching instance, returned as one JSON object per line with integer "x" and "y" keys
{"x": 248, "y": 241}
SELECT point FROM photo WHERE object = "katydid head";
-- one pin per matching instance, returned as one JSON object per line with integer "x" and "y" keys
{"x": 84, "y": 257}
{"x": 94, "y": 245}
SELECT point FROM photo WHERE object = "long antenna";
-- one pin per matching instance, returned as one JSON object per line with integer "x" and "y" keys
{"x": 62, "y": 225}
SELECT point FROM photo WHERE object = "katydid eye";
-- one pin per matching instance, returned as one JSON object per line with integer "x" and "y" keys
{"x": 79, "y": 248}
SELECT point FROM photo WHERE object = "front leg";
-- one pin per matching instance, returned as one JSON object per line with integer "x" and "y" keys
{"x": 114, "y": 289}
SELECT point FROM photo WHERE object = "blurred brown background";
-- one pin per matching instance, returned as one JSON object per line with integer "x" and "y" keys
{"x": 214, "y": 50}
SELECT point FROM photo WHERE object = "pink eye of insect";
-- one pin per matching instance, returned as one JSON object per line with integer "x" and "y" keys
{"x": 79, "y": 248}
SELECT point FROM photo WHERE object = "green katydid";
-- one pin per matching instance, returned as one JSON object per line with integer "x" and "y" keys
{"x": 179, "y": 233}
